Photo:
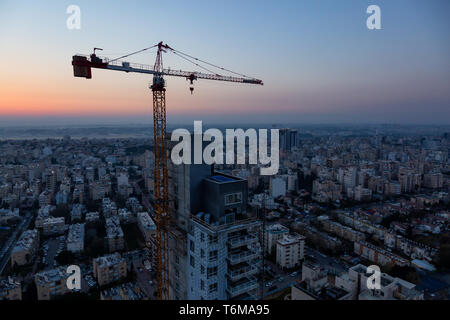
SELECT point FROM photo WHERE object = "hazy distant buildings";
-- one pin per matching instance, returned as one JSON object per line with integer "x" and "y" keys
{"x": 277, "y": 187}
{"x": 288, "y": 139}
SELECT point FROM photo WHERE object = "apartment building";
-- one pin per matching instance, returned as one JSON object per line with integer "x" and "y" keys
{"x": 290, "y": 251}
{"x": 26, "y": 248}
{"x": 6, "y": 215}
{"x": 433, "y": 180}
{"x": 75, "y": 238}
{"x": 273, "y": 233}
{"x": 391, "y": 288}
{"x": 186, "y": 193}
{"x": 412, "y": 249}
{"x": 114, "y": 234}
{"x": 51, "y": 283}
{"x": 43, "y": 214}
{"x": 92, "y": 216}
{"x": 126, "y": 291}
{"x": 378, "y": 255}
{"x": 52, "y": 226}
{"x": 224, "y": 251}
{"x": 45, "y": 198}
{"x": 109, "y": 207}
{"x": 147, "y": 226}
{"x": 77, "y": 212}
{"x": 342, "y": 231}
{"x": 109, "y": 268}
{"x": 315, "y": 285}
{"x": 10, "y": 289}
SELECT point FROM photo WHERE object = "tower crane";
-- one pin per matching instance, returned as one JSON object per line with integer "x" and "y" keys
{"x": 82, "y": 65}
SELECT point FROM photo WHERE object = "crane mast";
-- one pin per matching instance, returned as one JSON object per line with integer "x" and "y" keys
{"x": 161, "y": 179}
{"x": 82, "y": 65}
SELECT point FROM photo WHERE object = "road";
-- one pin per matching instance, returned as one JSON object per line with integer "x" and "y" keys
{"x": 329, "y": 263}
{"x": 9, "y": 245}
{"x": 145, "y": 280}
{"x": 280, "y": 279}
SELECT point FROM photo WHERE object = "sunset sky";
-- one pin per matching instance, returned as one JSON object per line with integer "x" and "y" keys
{"x": 319, "y": 62}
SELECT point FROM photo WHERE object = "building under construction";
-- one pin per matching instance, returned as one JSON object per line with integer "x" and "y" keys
{"x": 215, "y": 252}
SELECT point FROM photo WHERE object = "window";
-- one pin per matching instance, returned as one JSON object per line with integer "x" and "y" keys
{"x": 192, "y": 245}
{"x": 202, "y": 285}
{"x": 202, "y": 269}
{"x": 202, "y": 253}
{"x": 192, "y": 262}
{"x": 212, "y": 239}
{"x": 212, "y": 272}
{"x": 233, "y": 198}
{"x": 213, "y": 255}
{"x": 202, "y": 237}
{"x": 230, "y": 217}
{"x": 213, "y": 287}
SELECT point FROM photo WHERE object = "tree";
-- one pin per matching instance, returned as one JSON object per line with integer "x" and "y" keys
{"x": 30, "y": 294}
{"x": 403, "y": 272}
{"x": 65, "y": 257}
{"x": 61, "y": 210}
{"x": 93, "y": 206}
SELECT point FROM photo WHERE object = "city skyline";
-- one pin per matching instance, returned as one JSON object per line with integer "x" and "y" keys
{"x": 319, "y": 62}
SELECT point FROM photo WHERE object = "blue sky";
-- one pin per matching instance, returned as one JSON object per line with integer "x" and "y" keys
{"x": 318, "y": 60}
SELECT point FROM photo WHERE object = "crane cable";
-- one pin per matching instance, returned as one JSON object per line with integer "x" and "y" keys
{"x": 213, "y": 65}
{"x": 184, "y": 56}
{"x": 136, "y": 52}
{"x": 204, "y": 68}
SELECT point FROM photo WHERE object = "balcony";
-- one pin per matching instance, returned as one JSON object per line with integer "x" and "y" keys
{"x": 242, "y": 287}
{"x": 246, "y": 271}
{"x": 243, "y": 256}
{"x": 242, "y": 240}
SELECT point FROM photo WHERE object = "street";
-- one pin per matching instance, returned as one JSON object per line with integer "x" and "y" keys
{"x": 9, "y": 245}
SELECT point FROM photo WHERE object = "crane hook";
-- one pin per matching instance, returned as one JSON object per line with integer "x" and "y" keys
{"x": 192, "y": 90}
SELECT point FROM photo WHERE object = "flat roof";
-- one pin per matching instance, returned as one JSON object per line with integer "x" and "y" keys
{"x": 222, "y": 179}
